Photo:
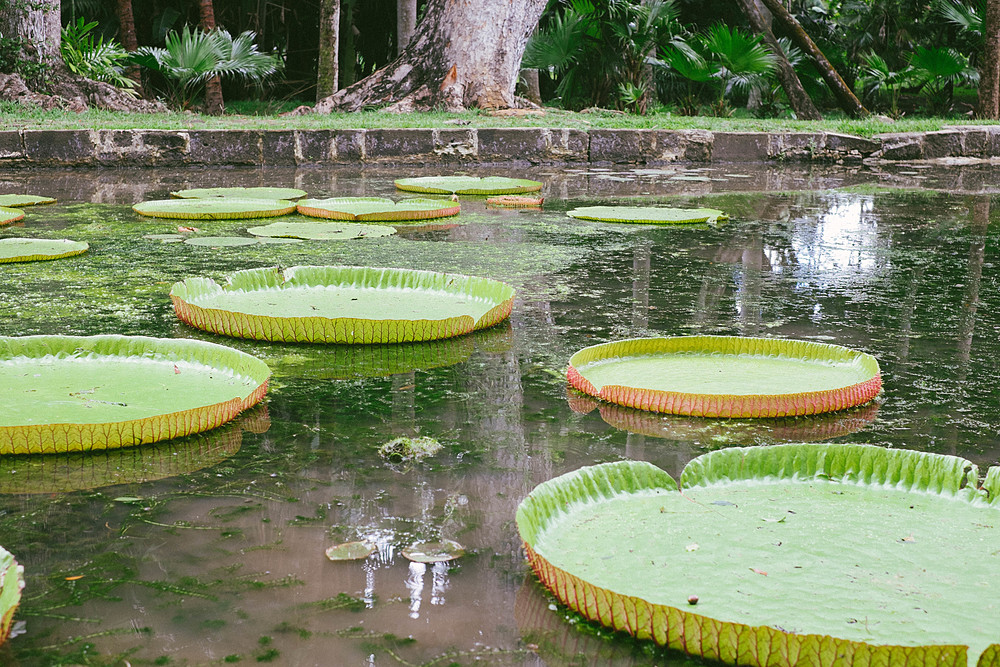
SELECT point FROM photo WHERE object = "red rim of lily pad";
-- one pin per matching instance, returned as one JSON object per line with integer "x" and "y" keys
{"x": 11, "y": 585}
{"x": 377, "y": 209}
{"x": 78, "y": 393}
{"x": 726, "y": 376}
{"x": 10, "y": 215}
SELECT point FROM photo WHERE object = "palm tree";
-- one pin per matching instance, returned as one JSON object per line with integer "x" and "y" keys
{"x": 214, "y": 103}
{"x": 936, "y": 71}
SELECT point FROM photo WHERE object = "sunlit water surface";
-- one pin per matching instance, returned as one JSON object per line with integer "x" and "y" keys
{"x": 210, "y": 550}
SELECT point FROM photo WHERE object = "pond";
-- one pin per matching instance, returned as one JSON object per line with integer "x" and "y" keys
{"x": 210, "y": 550}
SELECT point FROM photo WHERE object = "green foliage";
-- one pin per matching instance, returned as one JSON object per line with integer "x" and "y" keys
{"x": 936, "y": 71}
{"x": 192, "y": 57}
{"x": 88, "y": 55}
{"x": 12, "y": 61}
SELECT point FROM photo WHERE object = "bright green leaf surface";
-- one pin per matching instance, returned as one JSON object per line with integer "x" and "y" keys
{"x": 468, "y": 185}
{"x": 216, "y": 208}
{"x": 322, "y": 231}
{"x": 647, "y": 214}
{"x": 240, "y": 193}
{"x": 17, "y": 201}
{"x": 29, "y": 250}
{"x": 9, "y": 215}
{"x": 11, "y": 584}
{"x": 376, "y": 208}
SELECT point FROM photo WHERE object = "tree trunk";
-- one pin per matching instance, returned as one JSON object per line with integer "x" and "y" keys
{"x": 989, "y": 68}
{"x": 37, "y": 25}
{"x": 464, "y": 54}
{"x": 406, "y": 23}
{"x": 801, "y": 103}
{"x": 329, "y": 42}
{"x": 846, "y": 98}
{"x": 127, "y": 36}
{"x": 348, "y": 55}
{"x": 214, "y": 104}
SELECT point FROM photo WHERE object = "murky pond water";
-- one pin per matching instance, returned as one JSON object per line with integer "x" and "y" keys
{"x": 210, "y": 550}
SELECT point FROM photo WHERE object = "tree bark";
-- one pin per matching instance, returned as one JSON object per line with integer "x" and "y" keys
{"x": 406, "y": 23}
{"x": 348, "y": 56}
{"x": 214, "y": 104}
{"x": 127, "y": 36}
{"x": 329, "y": 43}
{"x": 38, "y": 26}
{"x": 989, "y": 68}
{"x": 464, "y": 54}
{"x": 797, "y": 96}
{"x": 846, "y": 98}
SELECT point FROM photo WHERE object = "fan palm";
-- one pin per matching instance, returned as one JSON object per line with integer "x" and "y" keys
{"x": 936, "y": 71}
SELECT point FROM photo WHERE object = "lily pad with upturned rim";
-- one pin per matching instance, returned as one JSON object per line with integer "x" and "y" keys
{"x": 20, "y": 201}
{"x": 350, "y": 551}
{"x": 648, "y": 214}
{"x": 468, "y": 185}
{"x": 322, "y": 231}
{"x": 434, "y": 552}
{"x": 377, "y": 209}
{"x": 215, "y": 208}
{"x": 240, "y": 193}
{"x": 342, "y": 304}
{"x": 79, "y": 393}
{"x": 795, "y": 554}
{"x": 11, "y": 585}
{"x": 33, "y": 250}
{"x": 9, "y": 215}
{"x": 726, "y": 376}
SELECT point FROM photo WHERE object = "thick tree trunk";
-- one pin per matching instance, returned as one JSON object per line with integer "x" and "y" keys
{"x": 406, "y": 23}
{"x": 797, "y": 96}
{"x": 348, "y": 56}
{"x": 127, "y": 36}
{"x": 846, "y": 98}
{"x": 214, "y": 104}
{"x": 329, "y": 43}
{"x": 38, "y": 26}
{"x": 989, "y": 68}
{"x": 464, "y": 53}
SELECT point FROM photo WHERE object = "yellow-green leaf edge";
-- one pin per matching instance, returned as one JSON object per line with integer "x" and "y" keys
{"x": 738, "y": 643}
{"x": 225, "y": 208}
{"x": 62, "y": 437}
{"x": 11, "y": 585}
{"x": 345, "y": 330}
{"x": 72, "y": 248}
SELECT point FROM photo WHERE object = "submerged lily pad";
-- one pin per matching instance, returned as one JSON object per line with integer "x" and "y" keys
{"x": 9, "y": 215}
{"x": 350, "y": 551}
{"x": 322, "y": 231}
{"x": 434, "y": 552}
{"x": 166, "y": 238}
{"x": 648, "y": 214}
{"x": 215, "y": 208}
{"x": 220, "y": 241}
{"x": 76, "y": 393}
{"x": 468, "y": 185}
{"x": 11, "y": 585}
{"x": 20, "y": 201}
{"x": 240, "y": 193}
{"x": 838, "y": 554}
{"x": 726, "y": 376}
{"x": 33, "y": 250}
{"x": 376, "y": 208}
{"x": 409, "y": 449}
{"x": 342, "y": 304}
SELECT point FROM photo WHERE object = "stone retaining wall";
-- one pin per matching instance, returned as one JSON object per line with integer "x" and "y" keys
{"x": 151, "y": 148}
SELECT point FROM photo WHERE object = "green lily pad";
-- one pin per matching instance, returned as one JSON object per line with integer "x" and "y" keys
{"x": 434, "y": 552}
{"x": 342, "y": 304}
{"x": 783, "y": 555}
{"x": 9, "y": 215}
{"x": 220, "y": 241}
{"x": 20, "y": 201}
{"x": 409, "y": 449}
{"x": 468, "y": 185}
{"x": 648, "y": 214}
{"x": 375, "y": 208}
{"x": 75, "y": 393}
{"x": 726, "y": 376}
{"x": 166, "y": 238}
{"x": 322, "y": 231}
{"x": 240, "y": 193}
{"x": 33, "y": 250}
{"x": 11, "y": 585}
{"x": 215, "y": 208}
{"x": 350, "y": 551}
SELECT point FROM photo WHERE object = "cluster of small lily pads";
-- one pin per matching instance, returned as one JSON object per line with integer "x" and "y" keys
{"x": 13, "y": 249}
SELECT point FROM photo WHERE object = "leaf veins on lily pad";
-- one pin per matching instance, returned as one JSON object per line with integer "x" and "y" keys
{"x": 377, "y": 208}
{"x": 434, "y": 552}
{"x": 350, "y": 551}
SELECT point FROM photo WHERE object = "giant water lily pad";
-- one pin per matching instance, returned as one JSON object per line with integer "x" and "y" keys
{"x": 816, "y": 555}
{"x": 31, "y": 250}
{"x": 726, "y": 376}
{"x": 11, "y": 585}
{"x": 342, "y": 304}
{"x": 468, "y": 185}
{"x": 322, "y": 231}
{"x": 9, "y": 215}
{"x": 74, "y": 393}
{"x": 434, "y": 552}
{"x": 350, "y": 551}
{"x": 376, "y": 208}
{"x": 648, "y": 214}
{"x": 240, "y": 193}
{"x": 214, "y": 208}
{"x": 20, "y": 201}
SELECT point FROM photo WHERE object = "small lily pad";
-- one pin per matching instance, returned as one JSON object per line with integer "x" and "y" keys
{"x": 648, "y": 214}
{"x": 350, "y": 551}
{"x": 9, "y": 215}
{"x": 434, "y": 552}
{"x": 376, "y": 208}
{"x": 166, "y": 238}
{"x": 322, "y": 231}
{"x": 214, "y": 208}
{"x": 468, "y": 185}
{"x": 516, "y": 201}
{"x": 220, "y": 241}
{"x": 240, "y": 193}
{"x": 19, "y": 201}
{"x": 32, "y": 250}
